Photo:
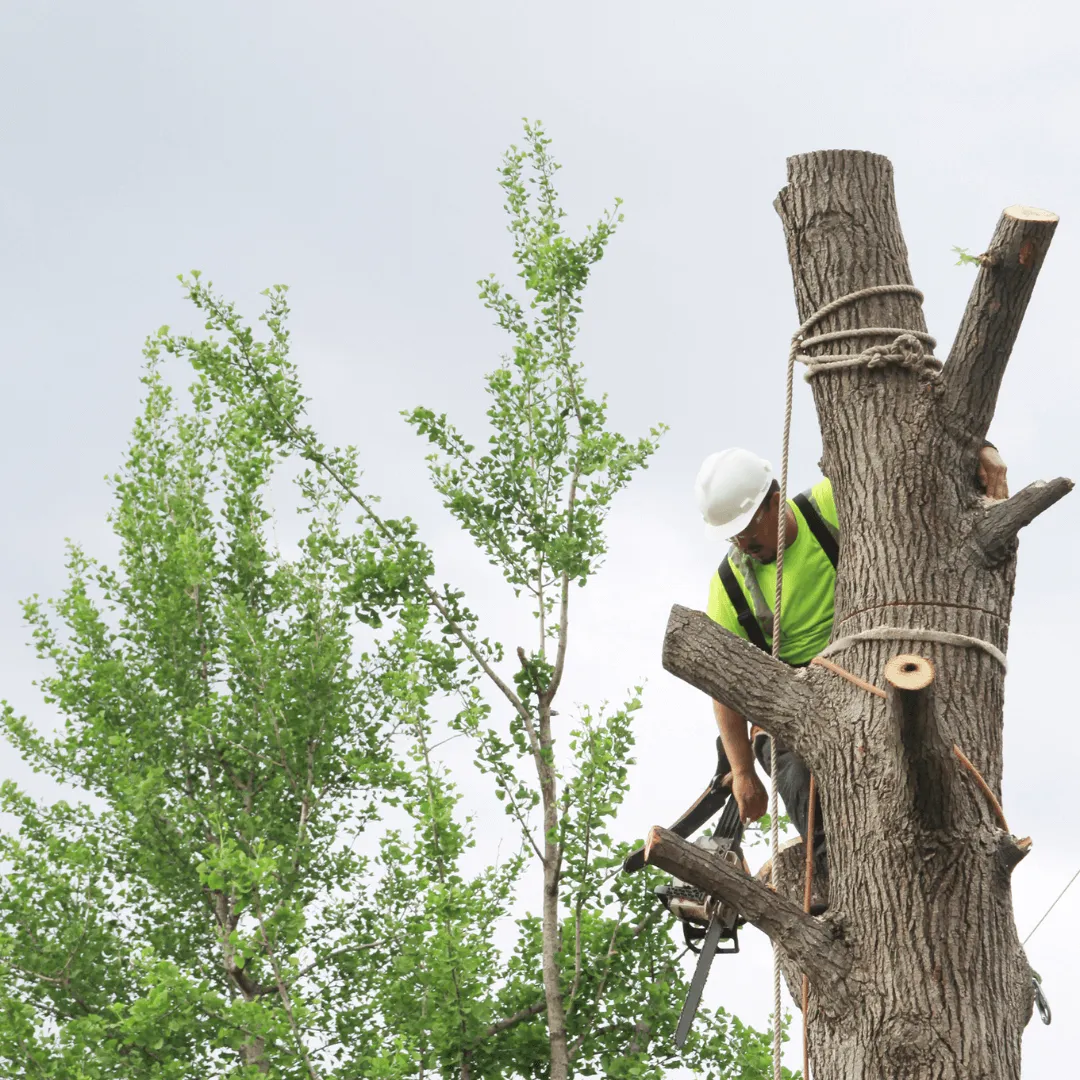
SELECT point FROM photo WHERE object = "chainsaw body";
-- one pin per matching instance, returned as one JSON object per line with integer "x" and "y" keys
{"x": 694, "y": 909}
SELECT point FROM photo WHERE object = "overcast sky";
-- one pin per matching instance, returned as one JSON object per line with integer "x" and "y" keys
{"x": 350, "y": 149}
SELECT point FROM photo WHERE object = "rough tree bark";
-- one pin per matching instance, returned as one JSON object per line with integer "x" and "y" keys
{"x": 916, "y": 969}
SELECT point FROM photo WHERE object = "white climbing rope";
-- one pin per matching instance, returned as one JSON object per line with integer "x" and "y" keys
{"x": 912, "y": 633}
{"x": 774, "y": 804}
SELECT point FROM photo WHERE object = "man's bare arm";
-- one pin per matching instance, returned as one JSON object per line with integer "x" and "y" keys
{"x": 747, "y": 788}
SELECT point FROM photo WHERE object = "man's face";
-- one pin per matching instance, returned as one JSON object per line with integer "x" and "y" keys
{"x": 758, "y": 539}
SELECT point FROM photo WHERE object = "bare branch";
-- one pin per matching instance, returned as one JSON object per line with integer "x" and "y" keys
{"x": 740, "y": 676}
{"x": 1001, "y": 522}
{"x": 995, "y": 310}
{"x": 809, "y": 941}
{"x": 512, "y": 1021}
{"x": 526, "y": 832}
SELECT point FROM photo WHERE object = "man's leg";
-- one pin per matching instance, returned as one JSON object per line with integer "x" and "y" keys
{"x": 793, "y": 784}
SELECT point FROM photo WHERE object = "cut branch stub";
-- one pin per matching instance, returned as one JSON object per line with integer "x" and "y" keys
{"x": 926, "y": 759}
{"x": 1011, "y": 851}
{"x": 992, "y": 319}
{"x": 909, "y": 672}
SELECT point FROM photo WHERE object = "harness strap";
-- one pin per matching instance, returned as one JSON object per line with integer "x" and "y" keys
{"x": 822, "y": 534}
{"x": 752, "y": 621}
{"x": 746, "y": 617}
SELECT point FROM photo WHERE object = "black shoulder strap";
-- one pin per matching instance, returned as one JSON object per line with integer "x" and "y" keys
{"x": 742, "y": 609}
{"x": 825, "y": 539}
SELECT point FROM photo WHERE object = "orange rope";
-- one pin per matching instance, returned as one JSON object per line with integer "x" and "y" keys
{"x": 836, "y": 669}
{"x": 807, "y": 892}
{"x": 984, "y": 787}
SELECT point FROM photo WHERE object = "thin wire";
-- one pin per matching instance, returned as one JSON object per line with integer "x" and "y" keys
{"x": 1050, "y": 908}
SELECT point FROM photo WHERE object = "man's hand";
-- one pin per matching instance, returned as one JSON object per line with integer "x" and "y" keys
{"x": 992, "y": 473}
{"x": 750, "y": 794}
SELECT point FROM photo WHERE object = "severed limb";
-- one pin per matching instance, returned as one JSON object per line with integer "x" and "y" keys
{"x": 810, "y": 942}
{"x": 996, "y": 532}
{"x": 1012, "y": 850}
{"x": 991, "y": 321}
{"x": 740, "y": 676}
{"x": 927, "y": 760}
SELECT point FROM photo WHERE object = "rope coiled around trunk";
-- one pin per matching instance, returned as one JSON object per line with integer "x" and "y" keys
{"x": 906, "y": 349}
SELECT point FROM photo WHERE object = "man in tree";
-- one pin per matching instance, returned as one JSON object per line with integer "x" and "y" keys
{"x": 737, "y": 496}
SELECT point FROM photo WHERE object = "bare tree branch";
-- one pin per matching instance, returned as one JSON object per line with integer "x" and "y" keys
{"x": 735, "y": 673}
{"x": 991, "y": 321}
{"x": 997, "y": 531}
{"x": 512, "y": 1021}
{"x": 809, "y": 941}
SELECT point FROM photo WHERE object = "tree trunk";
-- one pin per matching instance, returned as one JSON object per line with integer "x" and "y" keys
{"x": 550, "y": 928}
{"x": 923, "y": 976}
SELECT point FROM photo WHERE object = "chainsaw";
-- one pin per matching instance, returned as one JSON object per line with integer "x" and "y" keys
{"x": 706, "y": 923}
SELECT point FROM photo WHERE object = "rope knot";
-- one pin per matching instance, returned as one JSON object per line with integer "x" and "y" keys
{"x": 907, "y": 351}
{"x": 911, "y": 349}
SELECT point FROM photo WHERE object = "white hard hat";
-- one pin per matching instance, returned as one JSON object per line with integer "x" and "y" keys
{"x": 730, "y": 486}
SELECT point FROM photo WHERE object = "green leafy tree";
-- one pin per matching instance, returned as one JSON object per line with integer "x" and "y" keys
{"x": 216, "y": 707}
{"x": 271, "y": 880}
